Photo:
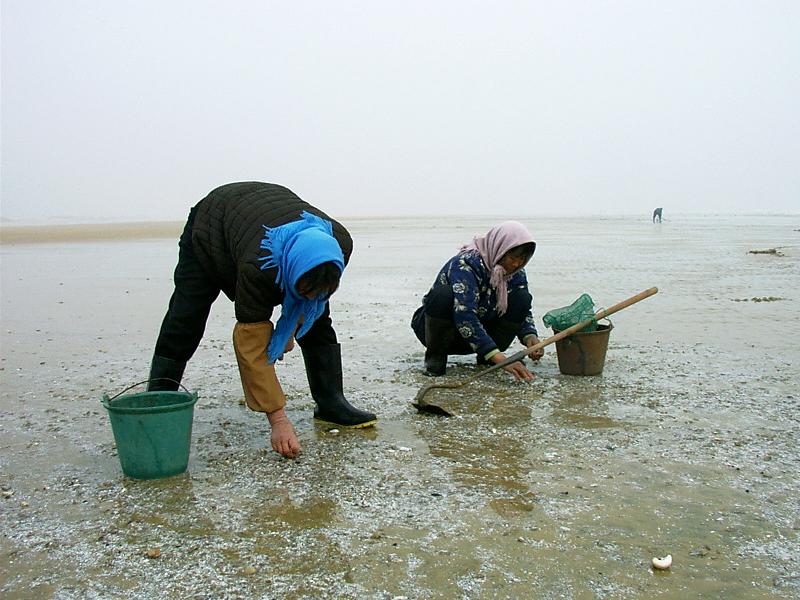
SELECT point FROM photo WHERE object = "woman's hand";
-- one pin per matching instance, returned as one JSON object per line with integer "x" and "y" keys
{"x": 517, "y": 369}
{"x": 284, "y": 439}
{"x": 532, "y": 340}
{"x": 290, "y": 343}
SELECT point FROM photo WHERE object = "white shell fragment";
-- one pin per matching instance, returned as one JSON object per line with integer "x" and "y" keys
{"x": 662, "y": 563}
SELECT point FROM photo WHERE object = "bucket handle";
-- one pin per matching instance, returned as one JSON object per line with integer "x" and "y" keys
{"x": 596, "y": 321}
{"x": 604, "y": 318}
{"x": 130, "y": 387}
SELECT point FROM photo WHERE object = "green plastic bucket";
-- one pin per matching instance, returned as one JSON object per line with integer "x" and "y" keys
{"x": 153, "y": 431}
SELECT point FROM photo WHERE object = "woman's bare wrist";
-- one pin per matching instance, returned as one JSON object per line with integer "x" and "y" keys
{"x": 277, "y": 416}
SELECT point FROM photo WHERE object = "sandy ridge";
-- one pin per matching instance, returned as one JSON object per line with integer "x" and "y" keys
{"x": 37, "y": 234}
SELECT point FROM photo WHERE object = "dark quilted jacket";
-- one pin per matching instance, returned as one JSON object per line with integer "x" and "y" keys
{"x": 226, "y": 238}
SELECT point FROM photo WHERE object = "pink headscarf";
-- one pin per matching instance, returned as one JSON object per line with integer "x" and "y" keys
{"x": 492, "y": 246}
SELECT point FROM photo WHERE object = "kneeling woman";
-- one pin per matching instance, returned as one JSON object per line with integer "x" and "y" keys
{"x": 480, "y": 302}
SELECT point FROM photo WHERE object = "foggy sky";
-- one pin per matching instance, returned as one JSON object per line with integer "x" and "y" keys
{"x": 135, "y": 110}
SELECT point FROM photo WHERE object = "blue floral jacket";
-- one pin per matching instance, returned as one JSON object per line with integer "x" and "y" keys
{"x": 475, "y": 301}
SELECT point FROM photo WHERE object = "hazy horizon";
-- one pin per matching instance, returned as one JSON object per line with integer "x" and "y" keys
{"x": 125, "y": 112}
{"x": 489, "y": 218}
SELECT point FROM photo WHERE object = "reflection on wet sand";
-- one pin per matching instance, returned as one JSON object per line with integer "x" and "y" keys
{"x": 491, "y": 458}
{"x": 581, "y": 403}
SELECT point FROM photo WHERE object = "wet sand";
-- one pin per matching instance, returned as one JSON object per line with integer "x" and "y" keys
{"x": 562, "y": 488}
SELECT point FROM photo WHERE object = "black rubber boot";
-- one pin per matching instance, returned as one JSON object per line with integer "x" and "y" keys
{"x": 324, "y": 372}
{"x": 439, "y": 335}
{"x": 165, "y": 374}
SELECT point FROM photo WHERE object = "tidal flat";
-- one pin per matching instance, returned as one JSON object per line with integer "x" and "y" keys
{"x": 688, "y": 443}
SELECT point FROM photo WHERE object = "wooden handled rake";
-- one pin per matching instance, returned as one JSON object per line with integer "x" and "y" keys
{"x": 419, "y": 400}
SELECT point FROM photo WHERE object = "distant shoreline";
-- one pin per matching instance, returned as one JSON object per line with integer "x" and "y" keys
{"x": 11, "y": 234}
{"x": 44, "y": 234}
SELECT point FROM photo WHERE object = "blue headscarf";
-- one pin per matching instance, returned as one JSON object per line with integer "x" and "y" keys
{"x": 296, "y": 248}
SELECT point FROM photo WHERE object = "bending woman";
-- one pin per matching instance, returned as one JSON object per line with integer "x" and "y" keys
{"x": 480, "y": 302}
{"x": 263, "y": 247}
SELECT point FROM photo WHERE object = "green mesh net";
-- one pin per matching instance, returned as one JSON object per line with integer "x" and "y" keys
{"x": 565, "y": 317}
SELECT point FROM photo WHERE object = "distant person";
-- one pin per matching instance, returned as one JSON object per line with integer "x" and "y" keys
{"x": 657, "y": 214}
{"x": 263, "y": 247}
{"x": 480, "y": 301}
